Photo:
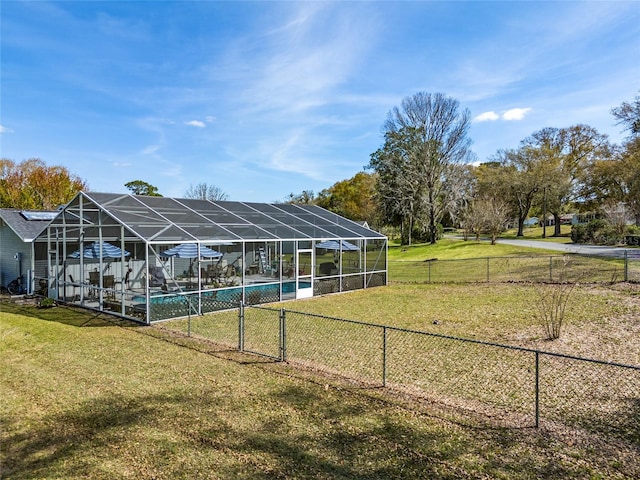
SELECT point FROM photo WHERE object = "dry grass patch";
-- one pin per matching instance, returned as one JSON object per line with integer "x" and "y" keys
{"x": 602, "y": 322}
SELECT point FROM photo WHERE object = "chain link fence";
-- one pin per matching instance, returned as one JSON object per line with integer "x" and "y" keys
{"x": 553, "y": 268}
{"x": 512, "y": 386}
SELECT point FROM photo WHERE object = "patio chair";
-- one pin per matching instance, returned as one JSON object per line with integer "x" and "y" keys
{"x": 109, "y": 284}
{"x": 125, "y": 280}
{"x": 156, "y": 277}
{"x": 94, "y": 282}
{"x": 75, "y": 285}
{"x": 328, "y": 268}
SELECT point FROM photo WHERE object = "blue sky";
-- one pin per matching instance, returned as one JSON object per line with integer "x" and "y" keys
{"x": 264, "y": 99}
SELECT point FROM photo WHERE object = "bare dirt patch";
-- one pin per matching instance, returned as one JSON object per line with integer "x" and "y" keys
{"x": 612, "y": 337}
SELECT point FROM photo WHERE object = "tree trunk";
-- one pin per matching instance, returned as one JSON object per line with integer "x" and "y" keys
{"x": 433, "y": 231}
{"x": 556, "y": 227}
{"x": 521, "y": 227}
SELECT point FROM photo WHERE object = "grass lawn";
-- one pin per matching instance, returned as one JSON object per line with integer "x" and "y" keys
{"x": 451, "y": 249}
{"x": 535, "y": 233}
{"x": 601, "y": 322}
{"x": 85, "y": 396}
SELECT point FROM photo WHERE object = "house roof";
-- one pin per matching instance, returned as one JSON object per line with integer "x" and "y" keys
{"x": 164, "y": 219}
{"x": 27, "y": 224}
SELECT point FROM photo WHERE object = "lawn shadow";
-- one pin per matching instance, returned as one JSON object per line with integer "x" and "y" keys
{"x": 64, "y": 314}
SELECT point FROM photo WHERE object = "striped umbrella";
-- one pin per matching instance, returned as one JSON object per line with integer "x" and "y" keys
{"x": 100, "y": 250}
{"x": 190, "y": 250}
{"x": 338, "y": 245}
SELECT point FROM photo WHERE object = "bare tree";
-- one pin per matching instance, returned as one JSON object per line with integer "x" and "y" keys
{"x": 424, "y": 138}
{"x": 472, "y": 221}
{"x": 495, "y": 213}
{"x": 486, "y": 214}
{"x": 617, "y": 214}
{"x": 553, "y": 299}
{"x": 628, "y": 114}
{"x": 306, "y": 197}
{"x": 203, "y": 191}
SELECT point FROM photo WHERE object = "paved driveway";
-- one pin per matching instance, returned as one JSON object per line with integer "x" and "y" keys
{"x": 576, "y": 248}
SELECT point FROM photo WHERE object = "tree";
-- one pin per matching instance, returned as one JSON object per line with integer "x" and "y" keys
{"x": 617, "y": 179}
{"x": 563, "y": 154}
{"x": 202, "y": 191}
{"x": 138, "y": 187}
{"x": 461, "y": 185}
{"x": 628, "y": 114}
{"x": 307, "y": 197}
{"x": 495, "y": 215}
{"x": 515, "y": 176}
{"x": 424, "y": 139}
{"x": 488, "y": 213}
{"x": 32, "y": 185}
{"x": 400, "y": 193}
{"x": 353, "y": 198}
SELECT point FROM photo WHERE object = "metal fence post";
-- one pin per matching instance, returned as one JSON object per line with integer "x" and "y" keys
{"x": 429, "y": 266}
{"x": 189, "y": 326}
{"x": 626, "y": 266}
{"x": 384, "y": 356}
{"x": 550, "y": 269}
{"x": 283, "y": 336}
{"x": 488, "y": 259}
{"x": 241, "y": 327}
{"x": 537, "y": 389}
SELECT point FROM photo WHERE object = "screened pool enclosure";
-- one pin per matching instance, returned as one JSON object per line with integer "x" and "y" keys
{"x": 155, "y": 258}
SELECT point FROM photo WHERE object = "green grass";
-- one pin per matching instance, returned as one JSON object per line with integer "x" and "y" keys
{"x": 451, "y": 249}
{"x": 84, "y": 396}
{"x": 535, "y": 233}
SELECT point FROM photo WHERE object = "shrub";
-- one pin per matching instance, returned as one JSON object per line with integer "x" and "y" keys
{"x": 578, "y": 233}
{"x": 47, "y": 303}
{"x": 598, "y": 232}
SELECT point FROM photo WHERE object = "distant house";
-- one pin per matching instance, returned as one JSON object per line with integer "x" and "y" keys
{"x": 19, "y": 230}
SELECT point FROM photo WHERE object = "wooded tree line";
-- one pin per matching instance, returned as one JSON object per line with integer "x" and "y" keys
{"x": 423, "y": 175}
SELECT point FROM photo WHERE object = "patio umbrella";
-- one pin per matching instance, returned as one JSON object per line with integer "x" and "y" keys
{"x": 93, "y": 251}
{"x": 338, "y": 245}
{"x": 190, "y": 250}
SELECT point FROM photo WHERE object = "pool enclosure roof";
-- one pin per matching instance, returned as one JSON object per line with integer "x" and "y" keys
{"x": 170, "y": 220}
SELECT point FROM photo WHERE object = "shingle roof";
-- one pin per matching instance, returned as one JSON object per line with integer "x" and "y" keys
{"x": 26, "y": 229}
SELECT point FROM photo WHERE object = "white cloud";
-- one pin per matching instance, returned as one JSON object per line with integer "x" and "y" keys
{"x": 150, "y": 149}
{"x": 121, "y": 164}
{"x": 210, "y": 119}
{"x": 195, "y": 123}
{"x": 515, "y": 114}
{"x": 487, "y": 117}
{"x": 5, "y": 129}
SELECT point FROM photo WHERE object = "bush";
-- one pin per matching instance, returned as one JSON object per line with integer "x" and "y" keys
{"x": 578, "y": 233}
{"x": 47, "y": 302}
{"x": 597, "y": 232}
